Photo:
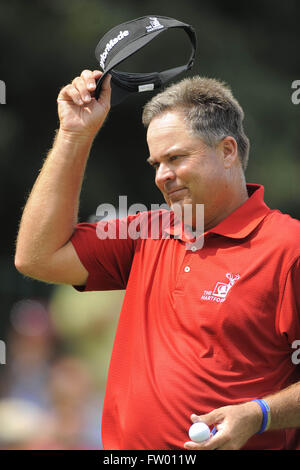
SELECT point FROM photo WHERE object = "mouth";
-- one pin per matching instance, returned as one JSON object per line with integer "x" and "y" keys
{"x": 175, "y": 191}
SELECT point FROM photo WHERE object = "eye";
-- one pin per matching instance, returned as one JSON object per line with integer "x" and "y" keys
{"x": 155, "y": 166}
{"x": 174, "y": 157}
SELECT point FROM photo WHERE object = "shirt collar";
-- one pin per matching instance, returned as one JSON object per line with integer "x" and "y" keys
{"x": 240, "y": 223}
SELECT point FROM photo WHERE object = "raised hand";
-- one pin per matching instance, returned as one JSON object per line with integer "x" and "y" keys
{"x": 80, "y": 114}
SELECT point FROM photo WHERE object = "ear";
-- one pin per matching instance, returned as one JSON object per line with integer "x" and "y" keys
{"x": 230, "y": 151}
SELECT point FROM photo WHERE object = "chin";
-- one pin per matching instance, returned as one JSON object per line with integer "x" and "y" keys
{"x": 177, "y": 208}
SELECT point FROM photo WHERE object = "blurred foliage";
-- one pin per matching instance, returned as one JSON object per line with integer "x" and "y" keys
{"x": 253, "y": 46}
{"x": 87, "y": 321}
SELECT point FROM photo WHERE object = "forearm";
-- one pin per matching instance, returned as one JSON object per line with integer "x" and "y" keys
{"x": 51, "y": 211}
{"x": 236, "y": 424}
{"x": 285, "y": 407}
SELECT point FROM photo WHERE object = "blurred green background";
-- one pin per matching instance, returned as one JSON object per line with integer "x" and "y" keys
{"x": 253, "y": 46}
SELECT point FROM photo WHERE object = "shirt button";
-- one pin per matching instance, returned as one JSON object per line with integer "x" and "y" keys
{"x": 187, "y": 269}
{"x": 194, "y": 248}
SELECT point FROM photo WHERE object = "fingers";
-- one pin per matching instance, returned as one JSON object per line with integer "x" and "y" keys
{"x": 208, "y": 445}
{"x": 70, "y": 93}
{"x": 208, "y": 418}
{"x": 85, "y": 85}
{"x": 218, "y": 442}
{"x": 90, "y": 78}
{"x": 82, "y": 88}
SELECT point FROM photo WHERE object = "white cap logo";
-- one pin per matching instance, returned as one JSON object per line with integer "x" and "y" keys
{"x": 110, "y": 45}
{"x": 154, "y": 25}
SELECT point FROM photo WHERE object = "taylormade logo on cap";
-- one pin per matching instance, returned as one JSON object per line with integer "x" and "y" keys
{"x": 110, "y": 45}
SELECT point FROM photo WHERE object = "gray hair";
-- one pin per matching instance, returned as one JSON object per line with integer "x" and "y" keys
{"x": 210, "y": 111}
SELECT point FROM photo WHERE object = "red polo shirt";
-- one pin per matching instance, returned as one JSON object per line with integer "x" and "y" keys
{"x": 198, "y": 329}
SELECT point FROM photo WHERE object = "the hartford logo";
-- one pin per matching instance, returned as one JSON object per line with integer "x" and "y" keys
{"x": 221, "y": 289}
{"x": 110, "y": 45}
{"x": 154, "y": 25}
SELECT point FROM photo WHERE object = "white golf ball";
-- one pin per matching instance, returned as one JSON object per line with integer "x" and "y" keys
{"x": 199, "y": 432}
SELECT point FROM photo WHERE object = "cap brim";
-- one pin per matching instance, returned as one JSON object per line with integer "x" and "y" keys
{"x": 131, "y": 49}
{"x": 118, "y": 94}
{"x": 123, "y": 84}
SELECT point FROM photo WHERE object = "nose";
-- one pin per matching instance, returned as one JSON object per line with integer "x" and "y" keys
{"x": 164, "y": 174}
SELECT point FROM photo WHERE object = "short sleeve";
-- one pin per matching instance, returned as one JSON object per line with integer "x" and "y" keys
{"x": 289, "y": 313}
{"x": 106, "y": 256}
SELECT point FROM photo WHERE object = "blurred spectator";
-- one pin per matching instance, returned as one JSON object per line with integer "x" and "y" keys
{"x": 21, "y": 424}
{"x": 76, "y": 405}
{"x": 87, "y": 322}
{"x": 53, "y": 382}
{"x": 71, "y": 421}
{"x": 31, "y": 346}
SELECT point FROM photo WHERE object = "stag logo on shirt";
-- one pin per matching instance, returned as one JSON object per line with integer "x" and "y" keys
{"x": 220, "y": 292}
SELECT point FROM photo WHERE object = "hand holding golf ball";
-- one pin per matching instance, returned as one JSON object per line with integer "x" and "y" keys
{"x": 200, "y": 432}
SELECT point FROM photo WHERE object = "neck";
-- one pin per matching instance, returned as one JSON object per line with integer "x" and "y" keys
{"x": 225, "y": 206}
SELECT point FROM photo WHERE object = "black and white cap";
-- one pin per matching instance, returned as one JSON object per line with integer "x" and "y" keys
{"x": 123, "y": 41}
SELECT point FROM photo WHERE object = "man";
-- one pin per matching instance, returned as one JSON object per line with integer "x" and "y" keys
{"x": 203, "y": 332}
